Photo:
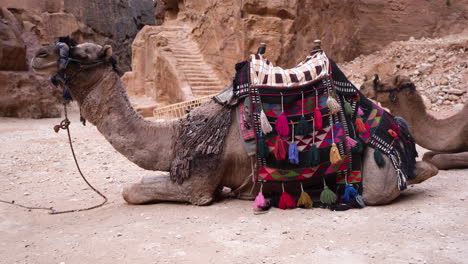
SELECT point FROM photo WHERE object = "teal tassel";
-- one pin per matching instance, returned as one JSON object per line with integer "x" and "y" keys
{"x": 315, "y": 155}
{"x": 263, "y": 149}
{"x": 302, "y": 127}
{"x": 358, "y": 148}
{"x": 327, "y": 196}
{"x": 312, "y": 157}
{"x": 348, "y": 108}
{"x": 379, "y": 160}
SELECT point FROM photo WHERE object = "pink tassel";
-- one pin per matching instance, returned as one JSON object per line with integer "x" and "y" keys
{"x": 281, "y": 149}
{"x": 350, "y": 143}
{"x": 259, "y": 202}
{"x": 282, "y": 125}
{"x": 360, "y": 112}
{"x": 318, "y": 122}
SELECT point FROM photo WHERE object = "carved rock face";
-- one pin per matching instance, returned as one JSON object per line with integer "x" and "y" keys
{"x": 12, "y": 48}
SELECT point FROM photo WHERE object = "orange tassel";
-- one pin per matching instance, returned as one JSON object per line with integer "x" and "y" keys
{"x": 360, "y": 125}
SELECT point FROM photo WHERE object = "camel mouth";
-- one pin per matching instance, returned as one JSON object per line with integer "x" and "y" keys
{"x": 42, "y": 69}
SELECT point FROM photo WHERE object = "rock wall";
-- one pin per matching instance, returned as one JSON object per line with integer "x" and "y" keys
{"x": 25, "y": 25}
{"x": 22, "y": 94}
{"x": 438, "y": 67}
{"x": 228, "y": 31}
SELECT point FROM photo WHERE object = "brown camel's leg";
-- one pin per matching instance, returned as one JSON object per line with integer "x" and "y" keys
{"x": 196, "y": 190}
{"x": 423, "y": 171}
{"x": 445, "y": 161}
{"x": 380, "y": 185}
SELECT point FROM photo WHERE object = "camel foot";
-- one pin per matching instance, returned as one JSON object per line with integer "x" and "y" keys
{"x": 446, "y": 161}
{"x": 423, "y": 171}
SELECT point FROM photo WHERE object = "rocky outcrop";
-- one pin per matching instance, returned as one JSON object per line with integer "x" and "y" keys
{"x": 115, "y": 21}
{"x": 22, "y": 94}
{"x": 168, "y": 67}
{"x": 25, "y": 25}
{"x": 12, "y": 47}
{"x": 228, "y": 31}
{"x": 438, "y": 67}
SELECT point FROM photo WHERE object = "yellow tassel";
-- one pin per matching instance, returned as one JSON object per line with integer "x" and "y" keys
{"x": 304, "y": 200}
{"x": 333, "y": 105}
{"x": 334, "y": 154}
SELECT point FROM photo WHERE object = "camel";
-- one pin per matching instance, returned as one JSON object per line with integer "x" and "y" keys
{"x": 447, "y": 138}
{"x": 103, "y": 101}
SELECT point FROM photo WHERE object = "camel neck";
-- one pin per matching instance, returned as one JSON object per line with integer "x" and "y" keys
{"x": 424, "y": 127}
{"x": 145, "y": 143}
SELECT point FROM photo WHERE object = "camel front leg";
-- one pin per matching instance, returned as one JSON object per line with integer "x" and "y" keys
{"x": 380, "y": 185}
{"x": 423, "y": 171}
{"x": 196, "y": 190}
{"x": 446, "y": 161}
{"x": 155, "y": 189}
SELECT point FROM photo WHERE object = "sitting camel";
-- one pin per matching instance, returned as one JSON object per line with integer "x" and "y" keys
{"x": 101, "y": 96}
{"x": 447, "y": 138}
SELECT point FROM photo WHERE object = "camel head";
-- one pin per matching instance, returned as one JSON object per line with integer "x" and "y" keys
{"x": 49, "y": 60}
{"x": 76, "y": 66}
{"x": 388, "y": 91}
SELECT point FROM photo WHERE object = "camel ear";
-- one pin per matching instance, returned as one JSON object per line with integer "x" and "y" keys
{"x": 400, "y": 80}
{"x": 106, "y": 52}
{"x": 396, "y": 80}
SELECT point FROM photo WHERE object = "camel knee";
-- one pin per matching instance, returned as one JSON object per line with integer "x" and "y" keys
{"x": 423, "y": 171}
{"x": 427, "y": 157}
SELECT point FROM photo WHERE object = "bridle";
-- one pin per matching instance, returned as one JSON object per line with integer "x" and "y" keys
{"x": 392, "y": 93}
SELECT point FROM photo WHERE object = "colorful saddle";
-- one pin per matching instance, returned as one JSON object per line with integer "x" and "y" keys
{"x": 310, "y": 121}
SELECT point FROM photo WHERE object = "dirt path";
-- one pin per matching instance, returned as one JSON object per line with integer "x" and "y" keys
{"x": 428, "y": 224}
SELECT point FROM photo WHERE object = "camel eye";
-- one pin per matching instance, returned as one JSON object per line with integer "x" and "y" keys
{"x": 80, "y": 56}
{"x": 42, "y": 54}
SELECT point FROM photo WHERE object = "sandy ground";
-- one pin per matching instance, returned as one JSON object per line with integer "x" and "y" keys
{"x": 427, "y": 224}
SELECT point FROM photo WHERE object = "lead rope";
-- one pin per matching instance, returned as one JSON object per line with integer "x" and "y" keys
{"x": 64, "y": 124}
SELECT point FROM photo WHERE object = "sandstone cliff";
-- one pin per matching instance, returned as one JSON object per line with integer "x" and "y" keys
{"x": 228, "y": 31}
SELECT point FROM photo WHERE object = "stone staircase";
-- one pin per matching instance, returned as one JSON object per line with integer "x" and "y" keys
{"x": 199, "y": 75}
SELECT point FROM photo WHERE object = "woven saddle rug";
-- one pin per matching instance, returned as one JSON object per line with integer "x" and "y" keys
{"x": 311, "y": 121}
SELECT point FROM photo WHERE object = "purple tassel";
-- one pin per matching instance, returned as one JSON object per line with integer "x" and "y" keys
{"x": 282, "y": 125}
{"x": 293, "y": 154}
